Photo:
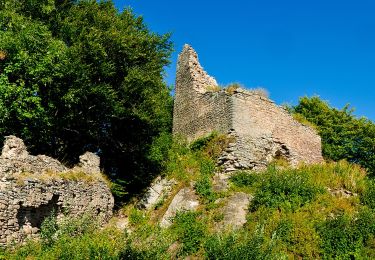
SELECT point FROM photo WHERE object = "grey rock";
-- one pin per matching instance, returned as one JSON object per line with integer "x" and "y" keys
{"x": 158, "y": 190}
{"x": 235, "y": 211}
{"x": 184, "y": 200}
{"x": 14, "y": 148}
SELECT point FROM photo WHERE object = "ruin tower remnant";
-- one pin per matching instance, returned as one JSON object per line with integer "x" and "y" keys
{"x": 261, "y": 130}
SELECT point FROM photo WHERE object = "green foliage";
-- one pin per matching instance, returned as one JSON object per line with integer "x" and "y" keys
{"x": 190, "y": 231}
{"x": 344, "y": 237}
{"x": 244, "y": 179}
{"x": 203, "y": 187}
{"x": 200, "y": 143}
{"x": 49, "y": 228}
{"x": 71, "y": 239}
{"x": 343, "y": 135}
{"x": 79, "y": 75}
{"x": 160, "y": 148}
{"x": 118, "y": 189}
{"x": 368, "y": 196}
{"x": 239, "y": 246}
{"x": 288, "y": 189}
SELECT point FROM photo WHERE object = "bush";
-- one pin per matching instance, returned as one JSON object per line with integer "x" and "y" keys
{"x": 49, "y": 228}
{"x": 72, "y": 241}
{"x": 238, "y": 246}
{"x": 203, "y": 187}
{"x": 344, "y": 136}
{"x": 288, "y": 189}
{"x": 190, "y": 231}
{"x": 368, "y": 196}
{"x": 345, "y": 237}
{"x": 244, "y": 179}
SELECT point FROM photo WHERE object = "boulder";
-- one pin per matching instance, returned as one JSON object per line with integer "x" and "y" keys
{"x": 185, "y": 200}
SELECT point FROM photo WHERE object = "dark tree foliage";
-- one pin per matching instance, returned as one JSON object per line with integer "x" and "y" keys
{"x": 343, "y": 135}
{"x": 80, "y": 75}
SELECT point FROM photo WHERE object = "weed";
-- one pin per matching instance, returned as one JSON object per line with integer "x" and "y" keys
{"x": 190, "y": 231}
{"x": 244, "y": 179}
{"x": 231, "y": 88}
{"x": 260, "y": 92}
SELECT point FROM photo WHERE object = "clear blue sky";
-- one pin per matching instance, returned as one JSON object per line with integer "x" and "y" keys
{"x": 292, "y": 48}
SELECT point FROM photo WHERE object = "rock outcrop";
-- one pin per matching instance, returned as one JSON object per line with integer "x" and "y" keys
{"x": 235, "y": 211}
{"x": 184, "y": 200}
{"x": 32, "y": 187}
{"x": 159, "y": 189}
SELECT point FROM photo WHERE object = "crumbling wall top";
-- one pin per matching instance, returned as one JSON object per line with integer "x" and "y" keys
{"x": 188, "y": 65}
{"x": 16, "y": 159}
{"x": 14, "y": 148}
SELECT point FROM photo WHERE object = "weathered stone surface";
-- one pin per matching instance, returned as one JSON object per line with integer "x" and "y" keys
{"x": 341, "y": 193}
{"x": 89, "y": 163}
{"x": 220, "y": 182}
{"x": 14, "y": 148}
{"x": 197, "y": 111}
{"x": 235, "y": 211}
{"x": 31, "y": 187}
{"x": 185, "y": 200}
{"x": 261, "y": 130}
{"x": 158, "y": 190}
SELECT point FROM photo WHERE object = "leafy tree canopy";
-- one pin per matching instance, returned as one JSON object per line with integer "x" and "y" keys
{"x": 344, "y": 136}
{"x": 80, "y": 75}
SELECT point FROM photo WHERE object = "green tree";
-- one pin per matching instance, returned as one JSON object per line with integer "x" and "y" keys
{"x": 343, "y": 135}
{"x": 80, "y": 75}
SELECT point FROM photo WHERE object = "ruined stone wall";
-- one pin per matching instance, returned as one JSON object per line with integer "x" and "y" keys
{"x": 262, "y": 130}
{"x": 32, "y": 187}
{"x": 197, "y": 110}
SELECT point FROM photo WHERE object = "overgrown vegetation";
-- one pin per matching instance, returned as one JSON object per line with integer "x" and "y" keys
{"x": 344, "y": 136}
{"x": 302, "y": 212}
{"x": 80, "y": 75}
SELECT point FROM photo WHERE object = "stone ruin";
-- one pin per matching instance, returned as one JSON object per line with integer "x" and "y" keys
{"x": 258, "y": 132}
{"x": 261, "y": 131}
{"x": 32, "y": 187}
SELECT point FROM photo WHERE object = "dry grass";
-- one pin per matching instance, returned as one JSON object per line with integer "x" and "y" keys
{"x": 213, "y": 88}
{"x": 2, "y": 55}
{"x": 232, "y": 87}
{"x": 51, "y": 176}
{"x": 261, "y": 92}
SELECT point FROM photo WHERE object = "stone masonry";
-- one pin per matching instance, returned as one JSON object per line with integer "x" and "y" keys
{"x": 32, "y": 187}
{"x": 261, "y": 130}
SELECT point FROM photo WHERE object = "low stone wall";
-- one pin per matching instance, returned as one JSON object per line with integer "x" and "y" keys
{"x": 32, "y": 187}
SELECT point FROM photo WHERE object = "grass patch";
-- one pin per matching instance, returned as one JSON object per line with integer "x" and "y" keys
{"x": 51, "y": 176}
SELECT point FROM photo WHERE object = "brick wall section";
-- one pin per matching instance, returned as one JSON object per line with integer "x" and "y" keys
{"x": 262, "y": 130}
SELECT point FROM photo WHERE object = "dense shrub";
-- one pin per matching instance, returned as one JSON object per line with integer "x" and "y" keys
{"x": 190, "y": 231}
{"x": 238, "y": 246}
{"x": 244, "y": 179}
{"x": 288, "y": 189}
{"x": 368, "y": 196}
{"x": 344, "y": 136}
{"x": 344, "y": 237}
